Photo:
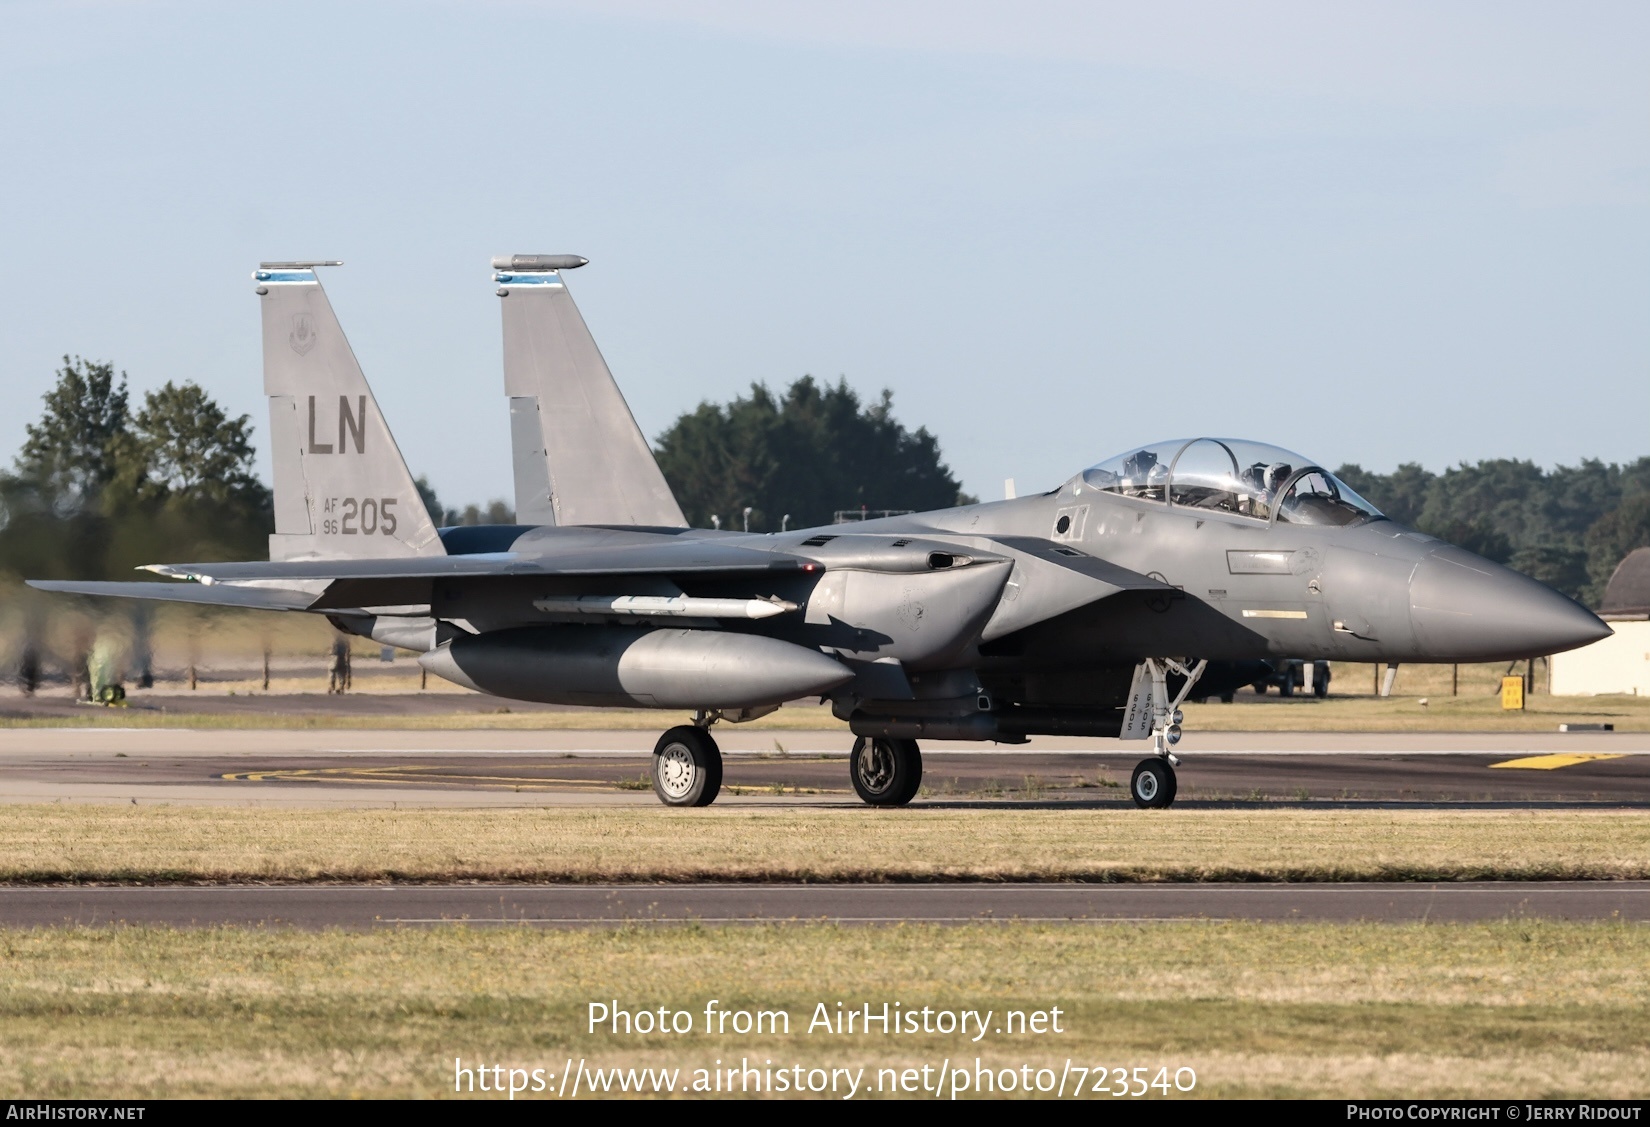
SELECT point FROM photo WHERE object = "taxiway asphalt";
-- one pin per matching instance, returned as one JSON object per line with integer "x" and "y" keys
{"x": 366, "y": 906}
{"x": 784, "y": 768}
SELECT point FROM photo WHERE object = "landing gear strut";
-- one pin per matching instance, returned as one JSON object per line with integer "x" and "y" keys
{"x": 687, "y": 767}
{"x": 885, "y": 772}
{"x": 1153, "y": 784}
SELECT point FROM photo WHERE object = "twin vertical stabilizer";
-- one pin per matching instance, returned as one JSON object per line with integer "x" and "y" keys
{"x": 342, "y": 490}
{"x": 579, "y": 456}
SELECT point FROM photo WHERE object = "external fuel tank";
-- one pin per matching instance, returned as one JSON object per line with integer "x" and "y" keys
{"x": 626, "y": 666}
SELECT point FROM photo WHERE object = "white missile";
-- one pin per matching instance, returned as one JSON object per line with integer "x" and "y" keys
{"x": 539, "y": 261}
{"x": 662, "y": 606}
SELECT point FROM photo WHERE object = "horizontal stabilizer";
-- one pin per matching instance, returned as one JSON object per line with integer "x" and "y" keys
{"x": 217, "y": 595}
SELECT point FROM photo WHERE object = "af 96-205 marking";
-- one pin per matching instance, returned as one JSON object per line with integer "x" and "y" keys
{"x": 359, "y": 516}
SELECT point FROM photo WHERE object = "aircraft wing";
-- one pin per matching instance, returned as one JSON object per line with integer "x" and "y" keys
{"x": 672, "y": 557}
{"x": 255, "y": 598}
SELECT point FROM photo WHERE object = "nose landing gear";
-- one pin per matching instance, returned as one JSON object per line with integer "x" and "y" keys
{"x": 1153, "y": 785}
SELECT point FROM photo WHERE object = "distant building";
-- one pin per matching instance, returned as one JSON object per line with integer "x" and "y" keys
{"x": 1621, "y": 663}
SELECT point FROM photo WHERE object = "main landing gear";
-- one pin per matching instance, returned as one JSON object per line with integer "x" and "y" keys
{"x": 687, "y": 767}
{"x": 885, "y": 772}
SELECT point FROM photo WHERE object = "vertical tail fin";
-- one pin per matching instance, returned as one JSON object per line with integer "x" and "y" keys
{"x": 342, "y": 490}
{"x": 579, "y": 456}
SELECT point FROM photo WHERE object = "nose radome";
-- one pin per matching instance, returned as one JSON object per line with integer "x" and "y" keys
{"x": 1465, "y": 608}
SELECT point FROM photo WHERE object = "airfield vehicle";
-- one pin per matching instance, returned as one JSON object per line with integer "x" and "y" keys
{"x": 1092, "y": 609}
{"x": 1289, "y": 676}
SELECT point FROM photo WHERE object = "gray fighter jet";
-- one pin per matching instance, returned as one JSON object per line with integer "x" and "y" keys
{"x": 1091, "y": 610}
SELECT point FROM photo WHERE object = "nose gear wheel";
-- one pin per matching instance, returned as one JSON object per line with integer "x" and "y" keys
{"x": 1153, "y": 784}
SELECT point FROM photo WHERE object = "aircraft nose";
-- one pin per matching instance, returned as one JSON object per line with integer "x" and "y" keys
{"x": 1465, "y": 608}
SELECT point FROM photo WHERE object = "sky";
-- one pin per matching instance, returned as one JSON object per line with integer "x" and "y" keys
{"x": 1370, "y": 232}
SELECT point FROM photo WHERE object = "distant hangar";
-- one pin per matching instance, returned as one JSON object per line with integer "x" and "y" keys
{"x": 1621, "y": 662}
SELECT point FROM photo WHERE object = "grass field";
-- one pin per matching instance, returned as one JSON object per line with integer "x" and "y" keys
{"x": 1515, "y": 1009}
{"x": 157, "y": 843}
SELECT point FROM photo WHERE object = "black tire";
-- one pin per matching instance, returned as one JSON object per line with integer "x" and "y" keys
{"x": 1260, "y": 688}
{"x": 1287, "y": 689}
{"x": 1226, "y": 698}
{"x": 687, "y": 767}
{"x": 1153, "y": 784}
{"x": 885, "y": 772}
{"x": 1320, "y": 687}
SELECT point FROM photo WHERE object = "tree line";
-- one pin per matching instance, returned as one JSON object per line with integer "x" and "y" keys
{"x": 1568, "y": 527}
{"x": 807, "y": 453}
{"x": 101, "y": 486}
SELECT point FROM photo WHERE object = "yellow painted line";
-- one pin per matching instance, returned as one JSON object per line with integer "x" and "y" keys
{"x": 1555, "y": 761}
{"x": 1274, "y": 614}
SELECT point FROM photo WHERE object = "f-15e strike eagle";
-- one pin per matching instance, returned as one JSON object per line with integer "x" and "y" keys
{"x": 1089, "y": 610}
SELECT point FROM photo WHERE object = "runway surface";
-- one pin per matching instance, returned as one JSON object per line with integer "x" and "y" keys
{"x": 364, "y": 906}
{"x": 780, "y": 768}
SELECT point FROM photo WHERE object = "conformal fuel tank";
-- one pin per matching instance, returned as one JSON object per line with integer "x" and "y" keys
{"x": 616, "y": 665}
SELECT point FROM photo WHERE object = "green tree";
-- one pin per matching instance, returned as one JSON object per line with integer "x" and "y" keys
{"x": 432, "y": 503}
{"x": 1559, "y": 566}
{"x": 808, "y": 453}
{"x": 1400, "y": 495}
{"x": 77, "y": 447}
{"x": 98, "y": 491}
{"x": 1513, "y": 512}
{"x": 191, "y": 450}
{"x": 1616, "y": 533}
{"x": 494, "y": 512}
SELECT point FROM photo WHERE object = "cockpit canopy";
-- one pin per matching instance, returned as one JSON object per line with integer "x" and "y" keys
{"x": 1248, "y": 479}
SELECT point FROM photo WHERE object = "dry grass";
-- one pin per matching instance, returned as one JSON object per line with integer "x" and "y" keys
{"x": 157, "y": 843}
{"x": 1508, "y": 1010}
